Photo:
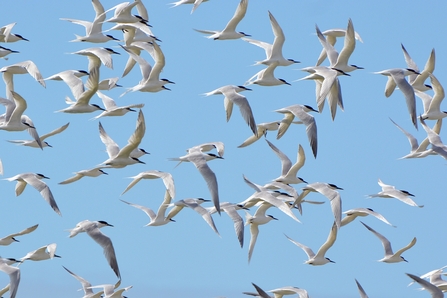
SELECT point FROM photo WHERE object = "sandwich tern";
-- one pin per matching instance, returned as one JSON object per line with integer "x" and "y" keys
{"x": 5, "y": 52}
{"x": 419, "y": 151}
{"x": 112, "y": 109}
{"x": 72, "y": 79}
{"x": 160, "y": 218}
{"x": 7, "y": 240}
{"x": 95, "y": 172}
{"x": 434, "y": 291}
{"x": 273, "y": 51}
{"x": 418, "y": 81}
{"x": 352, "y": 214}
{"x": 34, "y": 144}
{"x": 337, "y": 60}
{"x": 108, "y": 84}
{"x": 301, "y": 112}
{"x": 259, "y": 218}
{"x": 266, "y": 77}
{"x": 14, "y": 276}
{"x": 390, "y": 257}
{"x": 43, "y": 253}
{"x": 82, "y": 100}
{"x": 7, "y": 36}
{"x": 231, "y": 210}
{"x": 331, "y": 37}
{"x": 123, "y": 13}
{"x": 14, "y": 120}
{"x": 329, "y": 191}
{"x": 98, "y": 55}
{"x": 433, "y": 112}
{"x": 261, "y": 130}
{"x": 20, "y": 68}
{"x": 34, "y": 179}
{"x": 289, "y": 171}
{"x": 233, "y": 97}
{"x": 199, "y": 159}
{"x": 434, "y": 139}
{"x": 228, "y": 102}
{"x": 229, "y": 32}
{"x": 435, "y": 277}
{"x": 389, "y": 191}
{"x": 88, "y": 292}
{"x": 109, "y": 290}
{"x": 154, "y": 174}
{"x": 194, "y": 204}
{"x": 151, "y": 81}
{"x": 195, "y": 2}
{"x": 92, "y": 229}
{"x": 396, "y": 77}
{"x": 93, "y": 31}
{"x": 120, "y": 158}
{"x": 361, "y": 290}
{"x": 319, "y": 258}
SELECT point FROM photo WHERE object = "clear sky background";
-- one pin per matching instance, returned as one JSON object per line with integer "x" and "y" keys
{"x": 186, "y": 258}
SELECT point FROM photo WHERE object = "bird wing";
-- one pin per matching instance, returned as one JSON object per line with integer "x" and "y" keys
{"x": 56, "y": 131}
{"x": 44, "y": 190}
{"x": 307, "y": 250}
{"x": 237, "y": 17}
{"x": 112, "y": 148}
{"x": 135, "y": 138}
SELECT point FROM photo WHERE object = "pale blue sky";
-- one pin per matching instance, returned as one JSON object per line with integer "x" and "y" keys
{"x": 186, "y": 258}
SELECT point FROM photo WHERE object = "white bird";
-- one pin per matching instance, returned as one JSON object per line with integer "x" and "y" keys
{"x": 112, "y": 109}
{"x": 199, "y": 159}
{"x": 396, "y": 77}
{"x": 122, "y": 158}
{"x": 389, "y": 191}
{"x": 34, "y": 144}
{"x": 123, "y": 13}
{"x": 231, "y": 210}
{"x": 266, "y": 77}
{"x": 390, "y": 257}
{"x": 327, "y": 85}
{"x": 288, "y": 171}
{"x": 14, "y": 276}
{"x": 109, "y": 290}
{"x": 434, "y": 139}
{"x": 361, "y": 290}
{"x": 435, "y": 277}
{"x": 88, "y": 292}
{"x": 98, "y": 55}
{"x": 14, "y": 120}
{"x": 329, "y": 191}
{"x": 228, "y": 103}
{"x": 151, "y": 81}
{"x": 337, "y": 60}
{"x": 233, "y": 97}
{"x": 273, "y": 51}
{"x": 261, "y": 130}
{"x": 319, "y": 258}
{"x": 82, "y": 100}
{"x": 419, "y": 151}
{"x": 92, "y": 229}
{"x": 331, "y": 37}
{"x": 108, "y": 84}
{"x": 434, "y": 291}
{"x": 160, "y": 218}
{"x": 195, "y": 2}
{"x": 418, "y": 81}
{"x": 259, "y": 218}
{"x": 301, "y": 112}
{"x": 7, "y": 240}
{"x": 34, "y": 179}
{"x": 154, "y": 174}
{"x": 72, "y": 79}
{"x": 229, "y": 32}
{"x": 95, "y": 172}
{"x": 433, "y": 112}
{"x": 352, "y": 214}
{"x": 283, "y": 291}
{"x": 43, "y": 253}
{"x": 194, "y": 204}
{"x": 20, "y": 68}
{"x": 7, "y": 36}
{"x": 5, "y": 52}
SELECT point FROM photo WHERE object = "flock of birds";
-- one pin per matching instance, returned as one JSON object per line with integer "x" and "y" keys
{"x": 131, "y": 18}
